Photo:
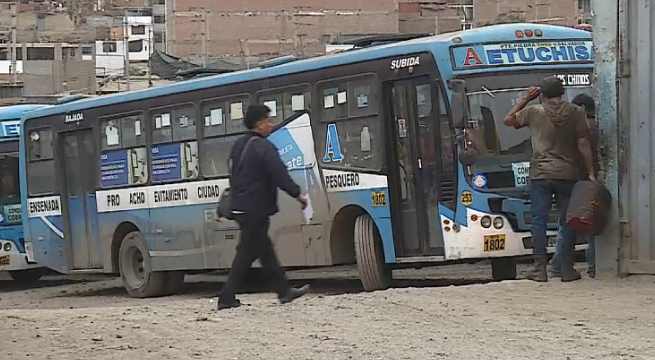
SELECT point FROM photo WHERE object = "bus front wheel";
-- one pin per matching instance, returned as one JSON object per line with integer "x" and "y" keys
{"x": 136, "y": 270}
{"x": 503, "y": 269}
{"x": 373, "y": 272}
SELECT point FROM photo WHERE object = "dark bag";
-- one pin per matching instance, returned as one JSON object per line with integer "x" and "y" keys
{"x": 588, "y": 208}
{"x": 225, "y": 200}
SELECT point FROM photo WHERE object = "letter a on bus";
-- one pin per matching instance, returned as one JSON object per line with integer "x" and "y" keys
{"x": 472, "y": 55}
{"x": 332, "y": 145}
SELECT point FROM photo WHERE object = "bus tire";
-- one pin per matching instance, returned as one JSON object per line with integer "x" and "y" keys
{"x": 136, "y": 268}
{"x": 503, "y": 269}
{"x": 373, "y": 272}
{"x": 27, "y": 276}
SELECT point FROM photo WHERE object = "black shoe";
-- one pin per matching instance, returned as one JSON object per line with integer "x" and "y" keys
{"x": 571, "y": 275}
{"x": 293, "y": 294}
{"x": 234, "y": 304}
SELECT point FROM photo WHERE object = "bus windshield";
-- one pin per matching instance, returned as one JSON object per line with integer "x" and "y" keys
{"x": 10, "y": 212}
{"x": 496, "y": 145}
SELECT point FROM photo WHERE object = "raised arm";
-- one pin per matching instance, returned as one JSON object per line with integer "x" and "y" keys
{"x": 511, "y": 118}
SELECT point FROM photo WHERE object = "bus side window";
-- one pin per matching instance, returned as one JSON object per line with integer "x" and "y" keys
{"x": 237, "y": 112}
{"x": 41, "y": 164}
{"x": 350, "y": 122}
{"x": 184, "y": 123}
{"x": 295, "y": 101}
{"x": 124, "y": 157}
{"x": 274, "y": 102}
{"x": 216, "y": 151}
{"x": 161, "y": 127}
{"x": 214, "y": 115}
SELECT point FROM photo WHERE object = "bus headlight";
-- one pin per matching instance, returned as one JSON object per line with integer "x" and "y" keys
{"x": 499, "y": 222}
{"x": 7, "y": 247}
{"x": 485, "y": 222}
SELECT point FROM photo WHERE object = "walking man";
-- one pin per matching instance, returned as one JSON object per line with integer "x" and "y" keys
{"x": 560, "y": 136}
{"x": 257, "y": 173}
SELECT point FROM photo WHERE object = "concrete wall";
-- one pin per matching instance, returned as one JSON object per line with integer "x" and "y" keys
{"x": 267, "y": 29}
{"x": 562, "y": 12}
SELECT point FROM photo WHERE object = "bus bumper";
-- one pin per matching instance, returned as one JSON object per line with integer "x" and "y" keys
{"x": 11, "y": 259}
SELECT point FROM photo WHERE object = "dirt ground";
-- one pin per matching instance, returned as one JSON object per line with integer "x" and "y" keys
{"x": 451, "y": 312}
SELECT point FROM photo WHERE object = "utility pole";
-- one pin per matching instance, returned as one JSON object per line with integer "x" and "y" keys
{"x": 14, "y": 25}
{"x": 150, "y": 43}
{"x": 126, "y": 57}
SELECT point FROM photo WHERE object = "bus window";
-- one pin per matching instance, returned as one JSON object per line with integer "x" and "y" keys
{"x": 9, "y": 189}
{"x": 334, "y": 103}
{"x": 274, "y": 102}
{"x": 184, "y": 123}
{"x": 161, "y": 127}
{"x": 296, "y": 101}
{"x": 237, "y": 108}
{"x": 41, "y": 164}
{"x": 213, "y": 114}
{"x": 123, "y": 160}
{"x": 363, "y": 100}
{"x": 216, "y": 152}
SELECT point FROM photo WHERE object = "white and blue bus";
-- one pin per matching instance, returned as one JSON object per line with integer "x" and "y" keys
{"x": 400, "y": 146}
{"x": 12, "y": 246}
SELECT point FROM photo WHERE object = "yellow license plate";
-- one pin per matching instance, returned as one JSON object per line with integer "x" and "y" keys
{"x": 494, "y": 242}
{"x": 5, "y": 260}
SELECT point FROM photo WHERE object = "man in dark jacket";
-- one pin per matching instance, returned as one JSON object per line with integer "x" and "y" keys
{"x": 559, "y": 136}
{"x": 257, "y": 173}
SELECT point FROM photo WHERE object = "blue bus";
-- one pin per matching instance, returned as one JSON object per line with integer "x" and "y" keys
{"x": 12, "y": 247}
{"x": 400, "y": 147}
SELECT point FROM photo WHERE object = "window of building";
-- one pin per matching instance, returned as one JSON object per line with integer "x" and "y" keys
{"x": 87, "y": 50}
{"x": 108, "y": 46}
{"x": 159, "y": 19}
{"x": 40, "y": 53}
{"x": 138, "y": 29}
{"x": 135, "y": 46}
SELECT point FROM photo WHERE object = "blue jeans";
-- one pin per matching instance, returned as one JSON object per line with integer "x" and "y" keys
{"x": 541, "y": 197}
{"x": 590, "y": 254}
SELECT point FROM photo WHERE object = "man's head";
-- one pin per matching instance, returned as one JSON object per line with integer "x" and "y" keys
{"x": 258, "y": 120}
{"x": 551, "y": 87}
{"x": 587, "y": 102}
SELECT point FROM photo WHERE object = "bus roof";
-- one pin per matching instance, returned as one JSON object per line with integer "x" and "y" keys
{"x": 436, "y": 44}
{"x": 15, "y": 112}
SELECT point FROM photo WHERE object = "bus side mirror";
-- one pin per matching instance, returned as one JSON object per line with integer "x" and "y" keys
{"x": 458, "y": 103}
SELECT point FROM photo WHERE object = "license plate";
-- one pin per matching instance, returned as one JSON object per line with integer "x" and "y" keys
{"x": 5, "y": 260}
{"x": 494, "y": 242}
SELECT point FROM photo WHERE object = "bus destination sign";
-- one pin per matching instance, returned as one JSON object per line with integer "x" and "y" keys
{"x": 521, "y": 53}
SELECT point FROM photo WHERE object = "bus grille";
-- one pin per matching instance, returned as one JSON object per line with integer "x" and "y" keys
{"x": 447, "y": 192}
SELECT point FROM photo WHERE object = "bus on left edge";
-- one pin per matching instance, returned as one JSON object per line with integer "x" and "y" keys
{"x": 13, "y": 257}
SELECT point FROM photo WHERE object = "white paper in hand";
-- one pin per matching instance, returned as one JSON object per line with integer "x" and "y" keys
{"x": 308, "y": 212}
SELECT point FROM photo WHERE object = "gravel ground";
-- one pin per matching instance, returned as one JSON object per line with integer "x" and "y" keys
{"x": 451, "y": 312}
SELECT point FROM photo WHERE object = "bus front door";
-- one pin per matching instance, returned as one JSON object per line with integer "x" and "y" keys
{"x": 415, "y": 181}
{"x": 79, "y": 179}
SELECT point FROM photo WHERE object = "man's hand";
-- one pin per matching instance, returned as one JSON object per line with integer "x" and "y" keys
{"x": 302, "y": 199}
{"x": 592, "y": 177}
{"x": 533, "y": 93}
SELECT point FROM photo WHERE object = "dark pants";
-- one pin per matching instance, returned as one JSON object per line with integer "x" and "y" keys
{"x": 254, "y": 244}
{"x": 541, "y": 197}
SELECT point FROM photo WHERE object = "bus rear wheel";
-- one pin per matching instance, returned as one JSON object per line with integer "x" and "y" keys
{"x": 373, "y": 272}
{"x": 136, "y": 270}
{"x": 503, "y": 269}
{"x": 27, "y": 276}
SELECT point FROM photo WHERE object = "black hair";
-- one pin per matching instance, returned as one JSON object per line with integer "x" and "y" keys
{"x": 552, "y": 87}
{"x": 586, "y": 101}
{"x": 255, "y": 114}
